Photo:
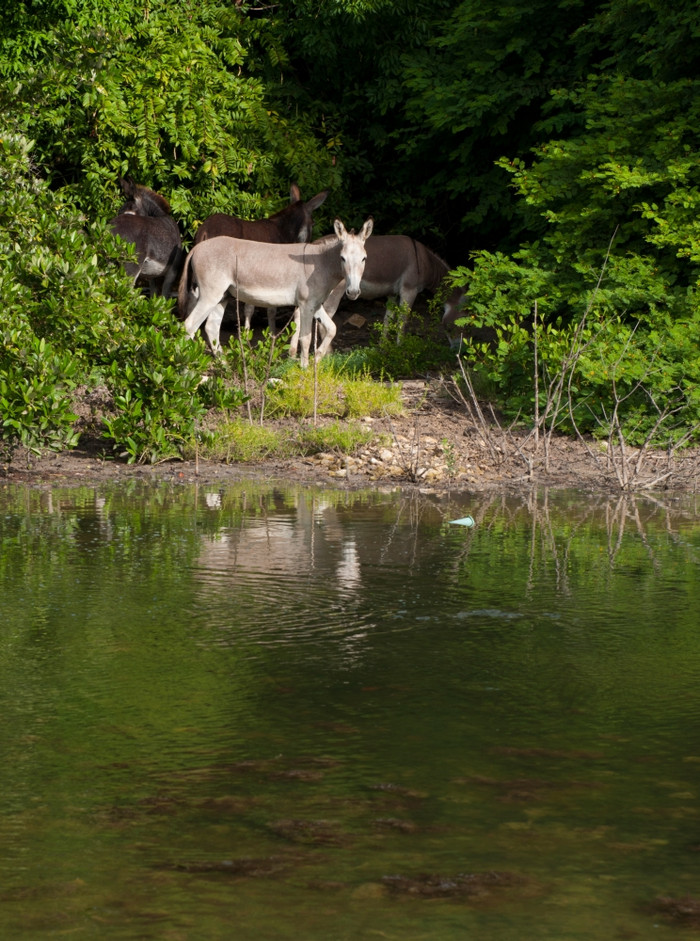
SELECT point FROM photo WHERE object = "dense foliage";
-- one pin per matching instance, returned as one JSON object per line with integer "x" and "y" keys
{"x": 70, "y": 318}
{"x": 171, "y": 93}
{"x": 549, "y": 150}
{"x": 612, "y": 209}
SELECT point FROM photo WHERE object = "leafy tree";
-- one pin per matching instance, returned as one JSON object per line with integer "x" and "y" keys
{"x": 348, "y": 60}
{"x": 615, "y": 206}
{"x": 477, "y": 90}
{"x": 170, "y": 93}
{"x": 426, "y": 96}
{"x": 70, "y": 317}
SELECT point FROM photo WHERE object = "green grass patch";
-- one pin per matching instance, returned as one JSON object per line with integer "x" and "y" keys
{"x": 343, "y": 437}
{"x": 365, "y": 396}
{"x": 331, "y": 390}
{"x": 237, "y": 441}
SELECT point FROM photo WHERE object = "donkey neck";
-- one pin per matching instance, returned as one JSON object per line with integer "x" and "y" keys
{"x": 331, "y": 258}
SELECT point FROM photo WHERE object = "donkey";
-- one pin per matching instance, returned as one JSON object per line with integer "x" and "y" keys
{"x": 294, "y": 223}
{"x": 396, "y": 266}
{"x": 145, "y": 221}
{"x": 271, "y": 275}
{"x": 455, "y": 308}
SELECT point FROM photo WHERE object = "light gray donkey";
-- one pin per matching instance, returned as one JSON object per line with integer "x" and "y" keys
{"x": 272, "y": 275}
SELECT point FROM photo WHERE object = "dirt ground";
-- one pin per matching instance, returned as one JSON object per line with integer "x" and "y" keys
{"x": 435, "y": 445}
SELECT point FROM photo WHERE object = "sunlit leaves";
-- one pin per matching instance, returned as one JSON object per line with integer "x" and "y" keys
{"x": 70, "y": 317}
{"x": 171, "y": 94}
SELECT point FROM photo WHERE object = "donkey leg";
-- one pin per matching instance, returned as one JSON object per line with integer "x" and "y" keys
{"x": 213, "y": 326}
{"x": 199, "y": 314}
{"x": 294, "y": 343}
{"x": 272, "y": 320}
{"x": 305, "y": 324}
{"x": 328, "y": 328}
{"x": 248, "y": 311}
{"x": 191, "y": 301}
{"x": 332, "y": 302}
{"x": 324, "y": 315}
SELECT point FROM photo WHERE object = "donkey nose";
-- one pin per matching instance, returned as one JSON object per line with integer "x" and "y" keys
{"x": 353, "y": 293}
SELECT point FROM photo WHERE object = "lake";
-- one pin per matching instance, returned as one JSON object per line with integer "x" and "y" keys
{"x": 271, "y": 712}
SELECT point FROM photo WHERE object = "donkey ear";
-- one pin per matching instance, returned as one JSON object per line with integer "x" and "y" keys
{"x": 315, "y": 201}
{"x": 339, "y": 228}
{"x": 294, "y": 193}
{"x": 366, "y": 229}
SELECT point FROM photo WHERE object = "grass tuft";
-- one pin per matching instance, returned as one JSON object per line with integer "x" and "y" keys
{"x": 337, "y": 390}
{"x": 237, "y": 441}
{"x": 343, "y": 437}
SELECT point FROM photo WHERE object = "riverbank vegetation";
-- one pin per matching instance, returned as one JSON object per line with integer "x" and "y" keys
{"x": 555, "y": 168}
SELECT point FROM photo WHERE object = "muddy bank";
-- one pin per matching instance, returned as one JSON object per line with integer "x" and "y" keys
{"x": 434, "y": 445}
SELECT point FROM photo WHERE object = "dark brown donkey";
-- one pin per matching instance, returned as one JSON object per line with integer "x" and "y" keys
{"x": 294, "y": 223}
{"x": 146, "y": 222}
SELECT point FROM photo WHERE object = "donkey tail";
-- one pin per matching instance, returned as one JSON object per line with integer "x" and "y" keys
{"x": 183, "y": 290}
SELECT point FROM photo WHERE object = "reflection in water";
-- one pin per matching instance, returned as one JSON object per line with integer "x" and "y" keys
{"x": 310, "y": 535}
{"x": 333, "y": 714}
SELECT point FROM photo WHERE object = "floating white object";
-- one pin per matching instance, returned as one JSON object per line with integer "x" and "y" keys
{"x": 465, "y": 521}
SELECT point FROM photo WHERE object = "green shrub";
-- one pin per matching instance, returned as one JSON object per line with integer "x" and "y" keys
{"x": 256, "y": 362}
{"x": 36, "y": 383}
{"x": 407, "y": 346}
{"x": 604, "y": 366}
{"x": 156, "y": 383}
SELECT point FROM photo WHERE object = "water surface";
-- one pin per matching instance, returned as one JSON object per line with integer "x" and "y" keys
{"x": 287, "y": 713}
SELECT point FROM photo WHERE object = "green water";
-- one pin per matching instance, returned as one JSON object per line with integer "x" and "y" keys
{"x": 268, "y": 713}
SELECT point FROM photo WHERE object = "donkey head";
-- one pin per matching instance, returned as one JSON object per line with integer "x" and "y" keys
{"x": 296, "y": 220}
{"x": 353, "y": 255}
{"x": 142, "y": 201}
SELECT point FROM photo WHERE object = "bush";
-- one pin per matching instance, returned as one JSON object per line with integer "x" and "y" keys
{"x": 396, "y": 352}
{"x": 36, "y": 382}
{"x": 70, "y": 315}
{"x": 600, "y": 365}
